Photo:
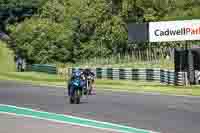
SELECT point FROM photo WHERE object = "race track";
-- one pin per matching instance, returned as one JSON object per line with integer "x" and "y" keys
{"x": 165, "y": 114}
{"x": 13, "y": 124}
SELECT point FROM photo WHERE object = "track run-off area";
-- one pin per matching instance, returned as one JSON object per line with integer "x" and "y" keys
{"x": 104, "y": 112}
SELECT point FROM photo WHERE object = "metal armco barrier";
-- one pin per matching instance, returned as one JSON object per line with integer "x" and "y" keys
{"x": 168, "y": 77}
{"x": 42, "y": 68}
{"x": 197, "y": 77}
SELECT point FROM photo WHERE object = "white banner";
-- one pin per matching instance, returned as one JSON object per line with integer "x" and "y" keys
{"x": 174, "y": 31}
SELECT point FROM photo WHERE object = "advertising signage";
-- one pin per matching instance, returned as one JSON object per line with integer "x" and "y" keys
{"x": 138, "y": 32}
{"x": 167, "y": 31}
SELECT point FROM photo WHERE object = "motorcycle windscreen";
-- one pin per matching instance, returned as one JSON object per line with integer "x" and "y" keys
{"x": 76, "y": 82}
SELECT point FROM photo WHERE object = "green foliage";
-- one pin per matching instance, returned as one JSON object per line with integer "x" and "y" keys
{"x": 54, "y": 10}
{"x": 75, "y": 30}
{"x": 42, "y": 41}
{"x": 12, "y": 11}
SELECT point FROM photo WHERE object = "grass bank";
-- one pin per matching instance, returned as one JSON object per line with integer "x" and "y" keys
{"x": 7, "y": 63}
{"x": 113, "y": 85}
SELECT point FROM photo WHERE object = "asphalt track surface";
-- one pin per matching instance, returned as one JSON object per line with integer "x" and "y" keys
{"x": 164, "y": 114}
{"x": 14, "y": 124}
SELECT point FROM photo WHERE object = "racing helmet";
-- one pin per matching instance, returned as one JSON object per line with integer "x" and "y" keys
{"x": 77, "y": 73}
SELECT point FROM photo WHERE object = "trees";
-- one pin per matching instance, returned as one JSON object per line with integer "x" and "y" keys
{"x": 12, "y": 11}
{"x": 71, "y": 30}
{"x": 42, "y": 41}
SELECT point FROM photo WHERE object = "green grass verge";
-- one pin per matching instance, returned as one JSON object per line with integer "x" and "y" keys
{"x": 7, "y": 63}
{"x": 114, "y": 85}
{"x": 151, "y": 87}
{"x": 33, "y": 78}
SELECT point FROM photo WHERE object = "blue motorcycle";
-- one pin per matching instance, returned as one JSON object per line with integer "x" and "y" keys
{"x": 76, "y": 88}
{"x": 75, "y": 91}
